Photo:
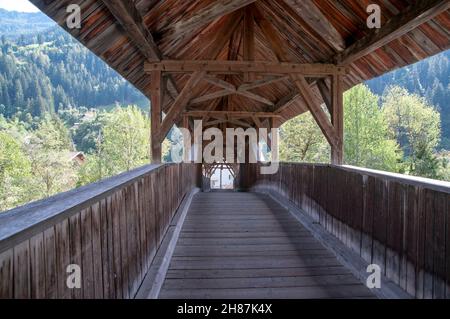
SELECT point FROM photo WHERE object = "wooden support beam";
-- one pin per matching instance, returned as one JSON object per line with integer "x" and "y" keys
{"x": 417, "y": 14}
{"x": 206, "y": 15}
{"x": 180, "y": 104}
{"x": 286, "y": 102}
{"x": 210, "y": 96}
{"x": 325, "y": 93}
{"x": 337, "y": 119}
{"x": 255, "y": 97}
{"x": 315, "y": 109}
{"x": 228, "y": 89}
{"x": 232, "y": 114}
{"x": 157, "y": 94}
{"x": 132, "y": 23}
{"x": 220, "y": 83}
{"x": 260, "y": 83}
{"x": 233, "y": 67}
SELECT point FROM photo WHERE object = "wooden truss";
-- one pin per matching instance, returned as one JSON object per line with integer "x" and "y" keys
{"x": 330, "y": 124}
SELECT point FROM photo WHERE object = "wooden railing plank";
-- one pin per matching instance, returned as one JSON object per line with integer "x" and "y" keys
{"x": 37, "y": 267}
{"x": 111, "y": 229}
{"x": 97, "y": 248}
{"x": 6, "y": 274}
{"x": 50, "y": 271}
{"x": 61, "y": 249}
{"x": 397, "y": 222}
{"x": 86, "y": 254}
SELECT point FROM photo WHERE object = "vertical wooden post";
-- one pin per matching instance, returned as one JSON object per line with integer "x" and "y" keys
{"x": 274, "y": 124}
{"x": 337, "y": 119}
{"x": 157, "y": 94}
{"x": 187, "y": 141}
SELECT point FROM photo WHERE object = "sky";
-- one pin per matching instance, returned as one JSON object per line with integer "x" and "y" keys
{"x": 18, "y": 5}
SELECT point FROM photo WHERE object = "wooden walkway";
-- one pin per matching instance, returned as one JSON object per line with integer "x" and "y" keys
{"x": 245, "y": 245}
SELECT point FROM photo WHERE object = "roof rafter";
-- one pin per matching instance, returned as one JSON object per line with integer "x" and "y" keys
{"x": 312, "y": 15}
{"x": 414, "y": 16}
{"x": 230, "y": 67}
{"x": 131, "y": 21}
{"x": 208, "y": 14}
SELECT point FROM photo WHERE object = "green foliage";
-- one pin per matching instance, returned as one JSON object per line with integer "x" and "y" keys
{"x": 36, "y": 159}
{"x": 401, "y": 136}
{"x": 123, "y": 144}
{"x": 126, "y": 139}
{"x": 428, "y": 78}
{"x": 49, "y": 148}
{"x": 301, "y": 140}
{"x": 49, "y": 72}
{"x": 15, "y": 171}
{"x": 416, "y": 126}
{"x": 366, "y": 142}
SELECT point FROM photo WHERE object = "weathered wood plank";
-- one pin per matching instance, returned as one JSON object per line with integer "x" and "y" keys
{"x": 108, "y": 239}
{"x": 62, "y": 251}
{"x": 22, "y": 275}
{"x": 50, "y": 271}
{"x": 398, "y": 26}
{"x": 97, "y": 251}
{"x": 221, "y": 252}
{"x": 6, "y": 274}
{"x": 392, "y": 220}
{"x": 225, "y": 67}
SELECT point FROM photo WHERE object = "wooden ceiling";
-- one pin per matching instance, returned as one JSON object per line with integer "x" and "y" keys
{"x": 127, "y": 33}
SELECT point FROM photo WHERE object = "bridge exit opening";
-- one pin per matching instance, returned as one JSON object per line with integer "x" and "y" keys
{"x": 219, "y": 176}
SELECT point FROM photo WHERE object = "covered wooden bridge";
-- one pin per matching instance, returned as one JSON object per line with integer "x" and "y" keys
{"x": 307, "y": 231}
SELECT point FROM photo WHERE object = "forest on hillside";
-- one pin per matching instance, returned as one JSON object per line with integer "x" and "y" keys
{"x": 14, "y": 24}
{"x": 429, "y": 79}
{"x": 50, "y": 71}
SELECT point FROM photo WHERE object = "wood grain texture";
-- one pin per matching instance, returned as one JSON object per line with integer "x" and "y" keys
{"x": 395, "y": 221}
{"x": 222, "y": 249}
{"x": 113, "y": 240}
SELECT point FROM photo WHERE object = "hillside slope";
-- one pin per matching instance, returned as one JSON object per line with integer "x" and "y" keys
{"x": 49, "y": 70}
{"x": 430, "y": 79}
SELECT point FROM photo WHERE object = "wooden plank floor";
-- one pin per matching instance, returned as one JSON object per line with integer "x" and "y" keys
{"x": 245, "y": 245}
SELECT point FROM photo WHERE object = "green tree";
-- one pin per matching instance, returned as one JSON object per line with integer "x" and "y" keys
{"x": 52, "y": 134}
{"x": 301, "y": 140}
{"x": 49, "y": 150}
{"x": 126, "y": 139}
{"x": 416, "y": 126}
{"x": 122, "y": 146}
{"x": 366, "y": 134}
{"x": 15, "y": 172}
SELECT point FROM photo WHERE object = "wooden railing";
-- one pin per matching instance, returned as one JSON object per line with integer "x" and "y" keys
{"x": 110, "y": 229}
{"x": 398, "y": 222}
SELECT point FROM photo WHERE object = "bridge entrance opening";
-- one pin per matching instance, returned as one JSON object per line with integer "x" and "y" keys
{"x": 219, "y": 176}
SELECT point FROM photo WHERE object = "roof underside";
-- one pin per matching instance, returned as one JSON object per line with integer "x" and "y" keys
{"x": 313, "y": 31}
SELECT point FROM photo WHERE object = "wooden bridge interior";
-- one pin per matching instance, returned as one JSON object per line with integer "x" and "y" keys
{"x": 307, "y": 231}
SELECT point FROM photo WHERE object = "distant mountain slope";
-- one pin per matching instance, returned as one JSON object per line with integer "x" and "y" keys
{"x": 49, "y": 70}
{"x": 13, "y": 24}
{"x": 429, "y": 78}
